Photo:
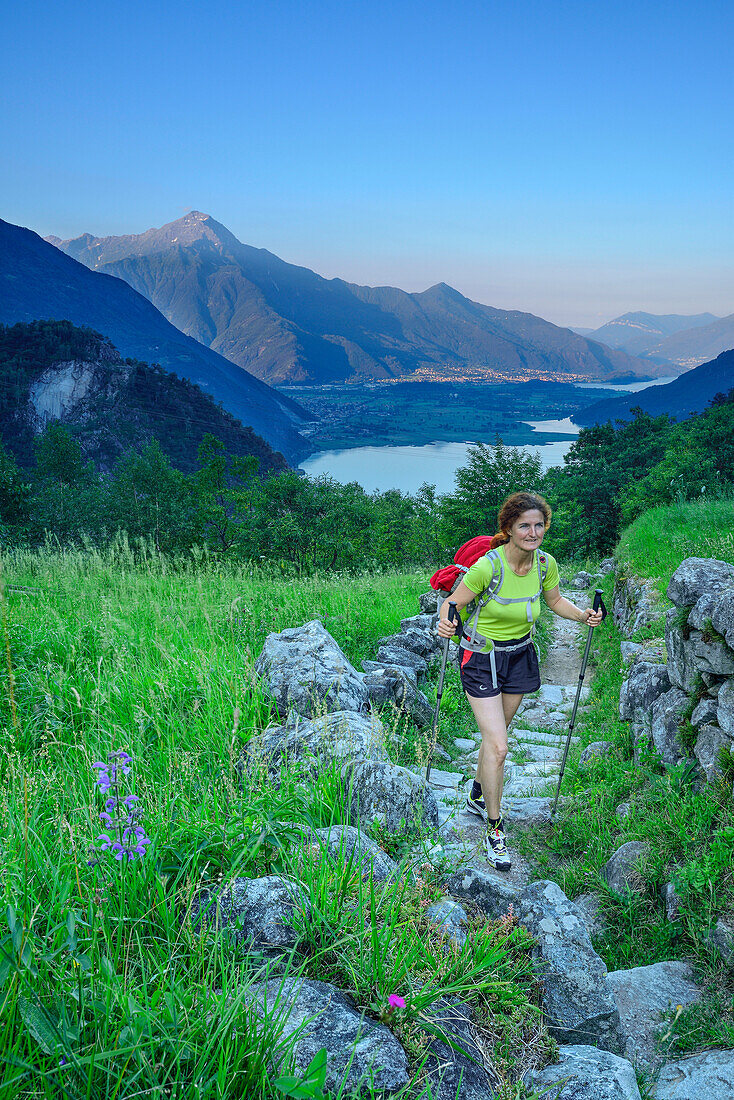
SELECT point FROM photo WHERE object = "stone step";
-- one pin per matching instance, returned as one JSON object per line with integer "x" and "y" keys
{"x": 532, "y": 786}
{"x": 538, "y": 753}
{"x": 537, "y": 737}
{"x": 534, "y": 771}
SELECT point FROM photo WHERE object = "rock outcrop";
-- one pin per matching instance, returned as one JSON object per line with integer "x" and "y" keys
{"x": 577, "y": 1000}
{"x": 306, "y": 671}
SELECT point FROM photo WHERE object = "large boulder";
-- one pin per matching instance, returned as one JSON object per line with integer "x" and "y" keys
{"x": 393, "y": 796}
{"x": 402, "y": 657}
{"x": 621, "y": 872}
{"x": 667, "y": 714}
{"x": 700, "y": 614}
{"x": 577, "y": 1000}
{"x": 422, "y": 622}
{"x": 643, "y": 994}
{"x": 307, "y": 671}
{"x": 591, "y": 910}
{"x": 584, "y": 1073}
{"x": 691, "y": 652}
{"x": 423, "y": 641}
{"x": 389, "y": 685}
{"x": 360, "y": 1053}
{"x": 704, "y": 711}
{"x": 490, "y": 892}
{"x": 345, "y": 843}
{"x": 408, "y": 672}
{"x": 707, "y": 1076}
{"x": 722, "y": 615}
{"x": 343, "y": 735}
{"x": 696, "y": 576}
{"x": 642, "y": 687}
{"x": 725, "y": 707}
{"x": 707, "y": 750}
{"x": 257, "y": 913}
{"x": 429, "y": 602}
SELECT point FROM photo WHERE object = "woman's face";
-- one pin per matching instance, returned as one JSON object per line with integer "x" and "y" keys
{"x": 528, "y": 530}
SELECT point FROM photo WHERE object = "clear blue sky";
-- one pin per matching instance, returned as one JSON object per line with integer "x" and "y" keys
{"x": 573, "y": 159}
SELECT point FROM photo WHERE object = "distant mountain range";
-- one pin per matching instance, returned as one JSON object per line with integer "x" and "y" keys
{"x": 38, "y": 281}
{"x": 56, "y": 371}
{"x": 680, "y": 340}
{"x": 689, "y": 393}
{"x": 286, "y": 324}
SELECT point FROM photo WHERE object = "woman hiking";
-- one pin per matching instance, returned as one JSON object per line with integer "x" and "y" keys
{"x": 499, "y": 662}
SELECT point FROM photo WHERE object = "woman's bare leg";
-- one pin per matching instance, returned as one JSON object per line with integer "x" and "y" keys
{"x": 493, "y": 717}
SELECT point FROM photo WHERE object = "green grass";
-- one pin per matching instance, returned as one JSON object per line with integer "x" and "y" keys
{"x": 658, "y": 541}
{"x": 106, "y": 991}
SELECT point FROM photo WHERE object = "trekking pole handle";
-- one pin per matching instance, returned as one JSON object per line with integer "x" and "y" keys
{"x": 599, "y": 603}
{"x": 452, "y": 612}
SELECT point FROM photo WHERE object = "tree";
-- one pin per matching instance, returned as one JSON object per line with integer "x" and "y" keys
{"x": 226, "y": 490}
{"x": 148, "y": 498}
{"x": 14, "y": 497}
{"x": 491, "y": 474}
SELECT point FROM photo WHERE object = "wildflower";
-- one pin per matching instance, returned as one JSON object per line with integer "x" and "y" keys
{"x": 122, "y": 811}
{"x": 396, "y": 1001}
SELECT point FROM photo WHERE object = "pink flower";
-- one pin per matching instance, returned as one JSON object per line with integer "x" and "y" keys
{"x": 395, "y": 1001}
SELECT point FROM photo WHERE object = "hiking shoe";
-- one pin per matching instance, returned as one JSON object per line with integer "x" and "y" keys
{"x": 497, "y": 853}
{"x": 477, "y": 806}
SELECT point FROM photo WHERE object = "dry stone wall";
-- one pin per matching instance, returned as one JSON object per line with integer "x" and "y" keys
{"x": 696, "y": 682}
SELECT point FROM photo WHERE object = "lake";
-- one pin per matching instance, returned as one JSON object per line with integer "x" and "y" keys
{"x": 377, "y": 469}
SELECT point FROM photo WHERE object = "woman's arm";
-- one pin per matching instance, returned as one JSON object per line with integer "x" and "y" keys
{"x": 559, "y": 605}
{"x": 461, "y": 596}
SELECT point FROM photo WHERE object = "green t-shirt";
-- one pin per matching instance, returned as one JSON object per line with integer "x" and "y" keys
{"x": 504, "y": 621}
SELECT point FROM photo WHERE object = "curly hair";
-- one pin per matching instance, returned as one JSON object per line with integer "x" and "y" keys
{"x": 513, "y": 508}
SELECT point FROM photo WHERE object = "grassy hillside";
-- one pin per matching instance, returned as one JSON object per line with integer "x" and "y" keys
{"x": 106, "y": 990}
{"x": 656, "y": 543}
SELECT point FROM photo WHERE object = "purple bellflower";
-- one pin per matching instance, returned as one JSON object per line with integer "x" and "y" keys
{"x": 126, "y": 838}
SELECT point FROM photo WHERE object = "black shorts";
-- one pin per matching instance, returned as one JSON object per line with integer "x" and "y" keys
{"x": 517, "y": 673}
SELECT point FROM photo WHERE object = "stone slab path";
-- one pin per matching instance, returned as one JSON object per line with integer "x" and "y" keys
{"x": 536, "y": 740}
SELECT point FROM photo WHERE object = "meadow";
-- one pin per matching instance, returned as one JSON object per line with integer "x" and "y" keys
{"x": 107, "y": 990}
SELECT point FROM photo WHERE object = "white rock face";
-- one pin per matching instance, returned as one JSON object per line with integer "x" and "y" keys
{"x": 60, "y": 388}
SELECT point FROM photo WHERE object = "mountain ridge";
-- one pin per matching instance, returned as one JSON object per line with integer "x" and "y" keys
{"x": 287, "y": 324}
{"x": 39, "y": 280}
{"x": 659, "y": 336}
{"x": 685, "y": 395}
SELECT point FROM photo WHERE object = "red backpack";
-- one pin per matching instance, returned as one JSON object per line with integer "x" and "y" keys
{"x": 447, "y": 580}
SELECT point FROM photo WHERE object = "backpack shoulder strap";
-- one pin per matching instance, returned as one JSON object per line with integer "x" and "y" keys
{"x": 498, "y": 576}
{"x": 542, "y": 561}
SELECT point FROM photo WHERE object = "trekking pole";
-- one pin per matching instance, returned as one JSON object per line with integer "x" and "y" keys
{"x": 598, "y": 604}
{"x": 439, "y": 692}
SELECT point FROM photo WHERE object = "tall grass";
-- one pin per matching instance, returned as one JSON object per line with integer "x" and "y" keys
{"x": 656, "y": 543}
{"x": 106, "y": 990}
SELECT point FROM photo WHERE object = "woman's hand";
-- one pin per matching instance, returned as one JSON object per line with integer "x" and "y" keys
{"x": 446, "y": 628}
{"x": 591, "y": 618}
